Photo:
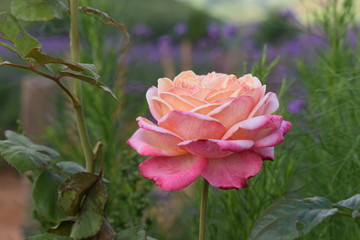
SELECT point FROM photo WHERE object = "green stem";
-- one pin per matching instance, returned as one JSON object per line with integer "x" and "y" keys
{"x": 79, "y": 112}
{"x": 203, "y": 204}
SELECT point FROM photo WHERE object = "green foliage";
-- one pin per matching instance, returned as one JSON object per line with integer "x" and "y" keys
{"x": 136, "y": 233}
{"x": 104, "y": 18}
{"x": 70, "y": 167}
{"x": 291, "y": 218}
{"x": 352, "y": 203}
{"x": 28, "y": 49}
{"x": 91, "y": 216}
{"x": 106, "y": 232}
{"x": 45, "y": 195}
{"x": 262, "y": 69}
{"x": 20, "y": 41}
{"x": 24, "y": 155}
{"x": 62, "y": 229}
{"x": 275, "y": 28}
{"x": 39, "y": 10}
{"x": 47, "y": 236}
{"x": 73, "y": 189}
{"x": 108, "y": 121}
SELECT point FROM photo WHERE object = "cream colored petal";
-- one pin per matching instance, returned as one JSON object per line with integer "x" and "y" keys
{"x": 176, "y": 101}
{"x": 205, "y": 109}
{"x": 219, "y": 95}
{"x": 165, "y": 84}
{"x": 162, "y": 107}
{"x": 195, "y": 101}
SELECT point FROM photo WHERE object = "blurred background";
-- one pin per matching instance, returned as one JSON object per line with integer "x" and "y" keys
{"x": 305, "y": 50}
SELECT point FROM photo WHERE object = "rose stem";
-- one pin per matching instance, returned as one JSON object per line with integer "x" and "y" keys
{"x": 203, "y": 204}
{"x": 75, "y": 56}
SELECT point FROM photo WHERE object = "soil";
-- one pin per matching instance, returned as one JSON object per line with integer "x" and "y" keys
{"x": 14, "y": 200}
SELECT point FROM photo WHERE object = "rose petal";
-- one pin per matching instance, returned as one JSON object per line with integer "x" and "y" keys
{"x": 204, "y": 148}
{"x": 161, "y": 107}
{"x": 152, "y": 140}
{"x": 233, "y": 112}
{"x": 152, "y": 92}
{"x": 257, "y": 93}
{"x": 149, "y": 143}
{"x": 165, "y": 84}
{"x": 190, "y": 125}
{"x": 285, "y": 127}
{"x": 250, "y": 80}
{"x": 232, "y": 171}
{"x": 202, "y": 93}
{"x": 224, "y": 100}
{"x": 176, "y": 101}
{"x": 194, "y": 101}
{"x": 219, "y": 95}
{"x": 213, "y": 148}
{"x": 173, "y": 173}
{"x": 180, "y": 91}
{"x": 254, "y": 128}
{"x": 186, "y": 79}
{"x": 205, "y": 109}
{"x": 265, "y": 153}
{"x": 274, "y": 137}
{"x": 267, "y": 105}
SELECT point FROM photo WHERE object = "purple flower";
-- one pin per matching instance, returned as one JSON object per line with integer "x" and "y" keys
{"x": 288, "y": 14}
{"x": 164, "y": 40}
{"x": 164, "y": 45}
{"x": 230, "y": 30}
{"x": 352, "y": 38}
{"x": 295, "y": 106}
{"x": 214, "y": 31}
{"x": 203, "y": 43}
{"x": 142, "y": 30}
{"x": 180, "y": 29}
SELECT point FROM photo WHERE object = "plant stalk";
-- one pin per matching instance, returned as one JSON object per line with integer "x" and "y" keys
{"x": 79, "y": 112}
{"x": 203, "y": 206}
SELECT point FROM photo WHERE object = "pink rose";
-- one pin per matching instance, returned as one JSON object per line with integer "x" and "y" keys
{"x": 216, "y": 125}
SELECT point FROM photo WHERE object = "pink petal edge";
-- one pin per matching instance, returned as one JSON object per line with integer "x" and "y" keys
{"x": 232, "y": 171}
{"x": 173, "y": 173}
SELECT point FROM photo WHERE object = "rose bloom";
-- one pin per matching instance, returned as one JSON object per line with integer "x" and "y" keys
{"x": 216, "y": 125}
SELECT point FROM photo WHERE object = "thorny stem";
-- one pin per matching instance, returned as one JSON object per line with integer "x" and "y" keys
{"x": 79, "y": 112}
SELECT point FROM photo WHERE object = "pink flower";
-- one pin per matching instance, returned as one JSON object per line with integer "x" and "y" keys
{"x": 216, "y": 125}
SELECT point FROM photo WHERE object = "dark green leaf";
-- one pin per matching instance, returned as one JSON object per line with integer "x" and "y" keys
{"x": 92, "y": 77}
{"x": 106, "y": 232}
{"x": 290, "y": 218}
{"x": 16, "y": 38}
{"x": 70, "y": 167}
{"x": 63, "y": 229}
{"x": 352, "y": 203}
{"x": 45, "y": 196}
{"x": 42, "y": 59}
{"x": 136, "y": 233}
{"x": 73, "y": 189}
{"x": 24, "y": 155}
{"x": 90, "y": 80}
{"x": 37, "y": 10}
{"x": 91, "y": 216}
{"x": 47, "y": 236}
